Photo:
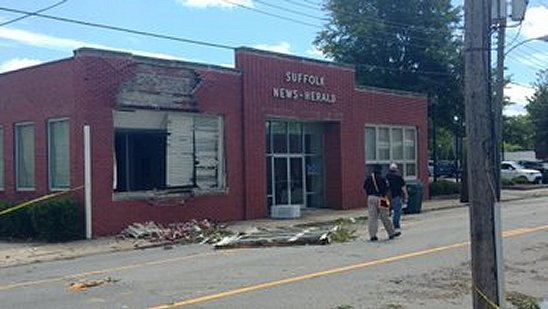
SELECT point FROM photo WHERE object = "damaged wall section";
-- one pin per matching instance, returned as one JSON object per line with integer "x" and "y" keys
{"x": 158, "y": 150}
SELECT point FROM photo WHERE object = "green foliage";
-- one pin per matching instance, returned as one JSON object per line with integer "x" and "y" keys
{"x": 445, "y": 141}
{"x": 521, "y": 180}
{"x": 444, "y": 187}
{"x": 16, "y": 224}
{"x": 411, "y": 47}
{"x": 522, "y": 301}
{"x": 57, "y": 220}
{"x": 506, "y": 182}
{"x": 538, "y": 111}
{"x": 343, "y": 230}
{"x": 517, "y": 133}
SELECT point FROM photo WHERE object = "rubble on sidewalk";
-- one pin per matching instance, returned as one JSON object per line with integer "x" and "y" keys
{"x": 194, "y": 231}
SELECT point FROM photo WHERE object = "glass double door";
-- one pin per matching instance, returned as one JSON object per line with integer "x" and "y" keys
{"x": 289, "y": 180}
{"x": 294, "y": 164}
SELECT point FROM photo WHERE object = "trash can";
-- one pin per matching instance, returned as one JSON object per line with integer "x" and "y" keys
{"x": 414, "y": 203}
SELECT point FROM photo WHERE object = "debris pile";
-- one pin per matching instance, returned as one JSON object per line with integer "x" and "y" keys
{"x": 341, "y": 230}
{"x": 193, "y": 231}
{"x": 85, "y": 285}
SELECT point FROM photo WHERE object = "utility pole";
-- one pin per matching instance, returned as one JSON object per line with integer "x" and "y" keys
{"x": 486, "y": 289}
{"x": 500, "y": 21}
{"x": 434, "y": 140}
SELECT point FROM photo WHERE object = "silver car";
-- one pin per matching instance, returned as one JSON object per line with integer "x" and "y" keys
{"x": 512, "y": 170}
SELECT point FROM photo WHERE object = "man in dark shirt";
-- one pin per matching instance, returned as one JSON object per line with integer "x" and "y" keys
{"x": 376, "y": 186}
{"x": 398, "y": 192}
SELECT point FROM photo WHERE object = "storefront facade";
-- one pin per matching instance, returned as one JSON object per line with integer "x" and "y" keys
{"x": 172, "y": 141}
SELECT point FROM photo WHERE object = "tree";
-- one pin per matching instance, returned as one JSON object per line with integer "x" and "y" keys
{"x": 517, "y": 133}
{"x": 538, "y": 112}
{"x": 407, "y": 45}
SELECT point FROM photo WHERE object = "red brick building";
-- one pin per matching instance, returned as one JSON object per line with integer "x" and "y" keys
{"x": 172, "y": 140}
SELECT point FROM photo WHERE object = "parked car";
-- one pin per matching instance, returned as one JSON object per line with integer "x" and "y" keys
{"x": 540, "y": 166}
{"x": 444, "y": 168}
{"x": 512, "y": 170}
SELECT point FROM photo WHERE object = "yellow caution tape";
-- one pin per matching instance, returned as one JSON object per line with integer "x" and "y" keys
{"x": 36, "y": 200}
{"x": 487, "y": 300}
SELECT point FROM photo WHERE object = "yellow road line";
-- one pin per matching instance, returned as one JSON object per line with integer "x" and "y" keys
{"x": 511, "y": 233}
{"x": 106, "y": 270}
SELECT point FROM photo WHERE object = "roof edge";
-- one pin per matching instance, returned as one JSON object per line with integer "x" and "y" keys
{"x": 88, "y": 51}
{"x": 261, "y": 52}
{"x": 392, "y": 91}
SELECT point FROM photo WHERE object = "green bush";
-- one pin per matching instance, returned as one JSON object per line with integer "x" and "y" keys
{"x": 505, "y": 182}
{"x": 16, "y": 224}
{"x": 57, "y": 220}
{"x": 521, "y": 180}
{"x": 444, "y": 187}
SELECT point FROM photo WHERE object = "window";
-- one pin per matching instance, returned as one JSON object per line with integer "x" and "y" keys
{"x": 385, "y": 144}
{"x": 58, "y": 154}
{"x": 167, "y": 150}
{"x": 1, "y": 158}
{"x": 24, "y": 156}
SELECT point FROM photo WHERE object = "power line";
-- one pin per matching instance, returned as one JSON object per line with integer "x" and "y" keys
{"x": 271, "y": 14}
{"x": 120, "y": 29}
{"x": 191, "y": 41}
{"x": 529, "y": 60}
{"x": 304, "y": 5}
{"x": 290, "y": 10}
{"x": 390, "y": 24}
{"x": 32, "y": 13}
{"x": 311, "y": 2}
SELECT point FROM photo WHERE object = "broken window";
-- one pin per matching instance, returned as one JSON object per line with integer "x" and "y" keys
{"x": 167, "y": 150}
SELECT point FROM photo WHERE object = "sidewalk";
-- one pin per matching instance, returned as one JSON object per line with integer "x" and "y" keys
{"x": 12, "y": 254}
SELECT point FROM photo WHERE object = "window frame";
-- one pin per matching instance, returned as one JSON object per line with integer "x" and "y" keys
{"x": 49, "y": 149}
{"x": 403, "y": 163}
{"x": 17, "y": 159}
{"x": 221, "y": 187}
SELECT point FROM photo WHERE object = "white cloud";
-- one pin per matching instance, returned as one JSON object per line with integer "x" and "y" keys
{"x": 315, "y": 53}
{"x": 282, "y": 47}
{"x": 18, "y": 63}
{"x": 535, "y": 23}
{"x": 67, "y": 45}
{"x": 518, "y": 95}
{"x": 215, "y": 3}
{"x": 42, "y": 40}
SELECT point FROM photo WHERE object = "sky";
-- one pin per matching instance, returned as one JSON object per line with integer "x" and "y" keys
{"x": 286, "y": 26}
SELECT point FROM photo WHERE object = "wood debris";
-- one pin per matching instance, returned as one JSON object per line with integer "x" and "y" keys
{"x": 193, "y": 231}
{"x": 85, "y": 285}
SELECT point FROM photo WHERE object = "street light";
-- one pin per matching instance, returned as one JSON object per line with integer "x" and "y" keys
{"x": 542, "y": 38}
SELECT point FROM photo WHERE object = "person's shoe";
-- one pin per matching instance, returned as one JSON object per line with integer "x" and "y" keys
{"x": 396, "y": 234}
{"x": 374, "y": 238}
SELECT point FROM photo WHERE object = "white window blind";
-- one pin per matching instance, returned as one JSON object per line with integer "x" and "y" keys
{"x": 180, "y": 150}
{"x": 24, "y": 149}
{"x": 59, "y": 154}
{"x": 206, "y": 134}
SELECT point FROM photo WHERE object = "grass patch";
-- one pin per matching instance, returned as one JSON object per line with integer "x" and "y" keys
{"x": 522, "y": 301}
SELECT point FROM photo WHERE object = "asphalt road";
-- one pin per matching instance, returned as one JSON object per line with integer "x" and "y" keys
{"x": 428, "y": 267}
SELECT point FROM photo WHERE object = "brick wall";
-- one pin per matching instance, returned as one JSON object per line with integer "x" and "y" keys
{"x": 87, "y": 87}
